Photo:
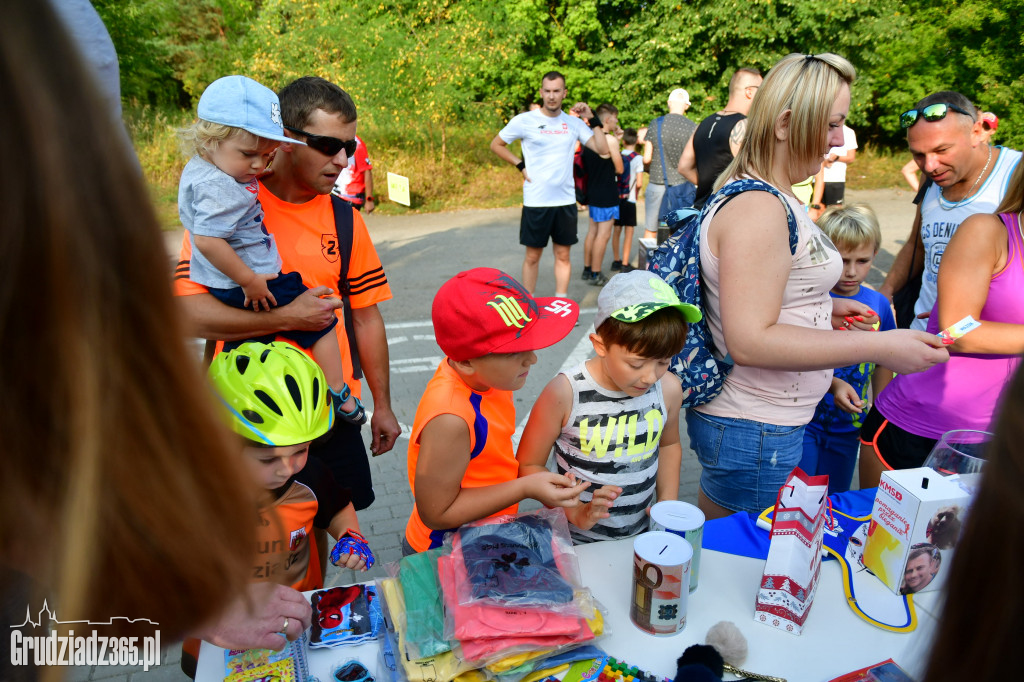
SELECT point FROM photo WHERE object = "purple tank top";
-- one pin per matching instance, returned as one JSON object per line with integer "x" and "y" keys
{"x": 963, "y": 393}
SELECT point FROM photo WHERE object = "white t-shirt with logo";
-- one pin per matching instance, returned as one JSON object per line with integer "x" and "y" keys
{"x": 837, "y": 171}
{"x": 940, "y": 218}
{"x": 548, "y": 147}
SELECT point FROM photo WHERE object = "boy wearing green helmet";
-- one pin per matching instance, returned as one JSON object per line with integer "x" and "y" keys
{"x": 277, "y": 400}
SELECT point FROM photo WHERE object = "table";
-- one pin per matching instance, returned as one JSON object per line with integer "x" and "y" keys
{"x": 834, "y": 639}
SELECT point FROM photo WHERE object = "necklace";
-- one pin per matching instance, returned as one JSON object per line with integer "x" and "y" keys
{"x": 970, "y": 192}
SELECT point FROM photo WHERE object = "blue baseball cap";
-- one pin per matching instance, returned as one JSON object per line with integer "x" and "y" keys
{"x": 241, "y": 102}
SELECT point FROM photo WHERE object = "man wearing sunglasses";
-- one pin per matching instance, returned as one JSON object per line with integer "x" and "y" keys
{"x": 299, "y": 213}
{"x": 950, "y": 146}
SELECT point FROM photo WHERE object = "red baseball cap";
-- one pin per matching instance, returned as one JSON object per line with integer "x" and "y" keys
{"x": 484, "y": 310}
{"x": 990, "y": 120}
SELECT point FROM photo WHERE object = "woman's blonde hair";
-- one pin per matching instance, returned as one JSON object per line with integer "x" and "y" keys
{"x": 204, "y": 136}
{"x": 805, "y": 85}
{"x": 1013, "y": 200}
{"x": 121, "y": 493}
{"x": 851, "y": 226}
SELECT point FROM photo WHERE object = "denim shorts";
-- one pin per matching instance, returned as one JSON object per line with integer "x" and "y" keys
{"x": 745, "y": 462}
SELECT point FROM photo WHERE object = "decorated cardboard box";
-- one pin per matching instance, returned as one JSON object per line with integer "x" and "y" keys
{"x": 915, "y": 524}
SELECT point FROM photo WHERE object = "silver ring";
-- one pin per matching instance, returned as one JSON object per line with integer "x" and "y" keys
{"x": 284, "y": 628}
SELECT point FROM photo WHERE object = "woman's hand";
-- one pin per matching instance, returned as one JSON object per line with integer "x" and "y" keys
{"x": 849, "y": 315}
{"x": 906, "y": 351}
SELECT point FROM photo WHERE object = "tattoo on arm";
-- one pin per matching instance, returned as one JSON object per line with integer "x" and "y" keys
{"x": 739, "y": 131}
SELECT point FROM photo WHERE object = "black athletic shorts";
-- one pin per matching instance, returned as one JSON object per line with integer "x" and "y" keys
{"x": 896, "y": 448}
{"x": 345, "y": 455}
{"x": 627, "y": 213}
{"x": 538, "y": 223}
{"x": 833, "y": 193}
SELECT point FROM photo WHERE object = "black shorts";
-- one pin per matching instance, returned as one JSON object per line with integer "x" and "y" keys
{"x": 627, "y": 213}
{"x": 894, "y": 447}
{"x": 538, "y": 223}
{"x": 833, "y": 193}
{"x": 345, "y": 455}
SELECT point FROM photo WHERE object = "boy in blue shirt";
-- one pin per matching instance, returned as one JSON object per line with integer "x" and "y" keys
{"x": 832, "y": 439}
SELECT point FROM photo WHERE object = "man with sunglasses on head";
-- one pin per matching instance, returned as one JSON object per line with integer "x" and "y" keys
{"x": 300, "y": 214}
{"x": 948, "y": 142}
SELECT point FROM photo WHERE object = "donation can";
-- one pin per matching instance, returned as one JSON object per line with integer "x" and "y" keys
{"x": 661, "y": 570}
{"x": 686, "y": 521}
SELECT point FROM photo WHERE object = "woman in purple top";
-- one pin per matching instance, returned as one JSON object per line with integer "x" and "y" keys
{"x": 982, "y": 275}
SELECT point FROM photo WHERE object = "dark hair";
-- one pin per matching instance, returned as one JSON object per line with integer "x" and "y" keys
{"x": 301, "y": 97}
{"x": 122, "y": 494}
{"x": 734, "y": 82}
{"x": 552, "y": 75}
{"x": 606, "y": 108}
{"x": 629, "y": 136}
{"x": 983, "y": 586}
{"x": 950, "y": 97}
{"x": 659, "y": 335}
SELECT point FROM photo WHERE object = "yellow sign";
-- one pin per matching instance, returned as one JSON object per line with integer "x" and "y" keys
{"x": 398, "y": 189}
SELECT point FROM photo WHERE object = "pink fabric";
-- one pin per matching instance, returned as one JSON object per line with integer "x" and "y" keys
{"x": 963, "y": 393}
{"x": 776, "y": 396}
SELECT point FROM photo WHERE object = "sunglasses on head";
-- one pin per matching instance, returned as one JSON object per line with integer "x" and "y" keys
{"x": 932, "y": 112}
{"x": 324, "y": 143}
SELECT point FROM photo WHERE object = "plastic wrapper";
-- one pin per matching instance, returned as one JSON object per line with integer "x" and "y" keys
{"x": 251, "y": 665}
{"x": 523, "y": 560}
{"x": 424, "y": 614}
{"x": 437, "y": 668}
{"x": 344, "y": 616}
{"x": 352, "y": 670}
{"x": 547, "y": 665}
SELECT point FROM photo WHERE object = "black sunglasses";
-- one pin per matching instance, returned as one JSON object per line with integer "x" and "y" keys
{"x": 932, "y": 112}
{"x": 325, "y": 144}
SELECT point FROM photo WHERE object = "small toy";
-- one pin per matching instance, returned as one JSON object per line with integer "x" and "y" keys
{"x": 728, "y": 649}
{"x": 352, "y": 542}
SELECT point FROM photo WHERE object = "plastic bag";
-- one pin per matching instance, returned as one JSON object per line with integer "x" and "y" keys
{"x": 345, "y": 616}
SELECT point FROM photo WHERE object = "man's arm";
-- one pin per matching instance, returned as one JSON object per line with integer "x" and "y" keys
{"x": 500, "y": 147}
{"x": 372, "y": 343}
{"x": 911, "y": 253}
{"x": 597, "y": 142}
{"x": 616, "y": 155}
{"x": 688, "y": 162}
{"x": 368, "y": 179}
{"x": 648, "y": 153}
{"x": 739, "y": 131}
{"x": 211, "y": 319}
{"x": 670, "y": 451}
{"x": 817, "y": 194}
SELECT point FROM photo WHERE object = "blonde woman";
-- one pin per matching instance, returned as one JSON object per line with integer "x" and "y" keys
{"x": 769, "y": 309}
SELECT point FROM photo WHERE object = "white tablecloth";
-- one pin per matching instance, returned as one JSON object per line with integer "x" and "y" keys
{"x": 834, "y": 640}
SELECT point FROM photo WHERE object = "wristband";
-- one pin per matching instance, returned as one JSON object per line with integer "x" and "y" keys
{"x": 521, "y": 165}
{"x": 369, "y": 198}
{"x": 595, "y": 122}
{"x": 814, "y": 206}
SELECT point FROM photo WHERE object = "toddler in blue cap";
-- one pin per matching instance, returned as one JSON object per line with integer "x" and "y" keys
{"x": 233, "y": 254}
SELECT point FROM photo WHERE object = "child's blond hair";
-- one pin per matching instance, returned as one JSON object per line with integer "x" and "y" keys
{"x": 204, "y": 136}
{"x": 850, "y": 227}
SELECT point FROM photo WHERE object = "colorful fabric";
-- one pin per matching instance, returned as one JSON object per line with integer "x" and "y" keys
{"x": 424, "y": 622}
{"x": 612, "y": 438}
{"x": 491, "y": 419}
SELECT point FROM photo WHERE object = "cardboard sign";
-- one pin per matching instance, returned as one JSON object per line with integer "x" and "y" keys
{"x": 398, "y": 189}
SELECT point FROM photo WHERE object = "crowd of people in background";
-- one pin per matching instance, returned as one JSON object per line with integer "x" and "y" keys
{"x": 821, "y": 371}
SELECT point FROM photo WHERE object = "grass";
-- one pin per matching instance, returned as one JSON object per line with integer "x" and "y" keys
{"x": 465, "y": 175}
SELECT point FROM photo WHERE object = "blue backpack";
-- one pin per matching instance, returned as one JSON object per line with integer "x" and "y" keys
{"x": 677, "y": 261}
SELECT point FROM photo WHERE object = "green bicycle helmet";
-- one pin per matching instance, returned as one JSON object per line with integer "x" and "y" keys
{"x": 275, "y": 394}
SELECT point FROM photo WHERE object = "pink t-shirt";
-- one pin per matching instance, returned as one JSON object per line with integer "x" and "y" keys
{"x": 963, "y": 393}
{"x": 775, "y": 396}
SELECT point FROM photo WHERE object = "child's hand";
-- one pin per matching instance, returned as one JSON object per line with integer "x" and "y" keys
{"x": 352, "y": 551}
{"x": 257, "y": 293}
{"x": 555, "y": 490}
{"x": 586, "y": 515}
{"x": 846, "y": 398}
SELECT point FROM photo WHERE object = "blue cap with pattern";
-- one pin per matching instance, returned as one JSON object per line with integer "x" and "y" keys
{"x": 241, "y": 102}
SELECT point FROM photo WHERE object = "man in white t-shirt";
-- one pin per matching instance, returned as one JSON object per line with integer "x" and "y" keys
{"x": 549, "y": 137}
{"x": 948, "y": 143}
{"x": 830, "y": 183}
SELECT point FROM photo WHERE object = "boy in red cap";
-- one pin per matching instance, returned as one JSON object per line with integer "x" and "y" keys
{"x": 462, "y": 466}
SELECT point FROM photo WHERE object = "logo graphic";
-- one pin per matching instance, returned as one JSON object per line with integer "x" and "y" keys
{"x": 329, "y": 247}
{"x": 511, "y": 312}
{"x": 68, "y": 648}
{"x": 559, "y": 307}
{"x": 275, "y": 113}
{"x": 296, "y": 538}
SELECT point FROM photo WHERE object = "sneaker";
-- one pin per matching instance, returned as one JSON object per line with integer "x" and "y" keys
{"x": 587, "y": 275}
{"x": 616, "y": 266}
{"x": 599, "y": 280}
{"x": 628, "y": 268}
